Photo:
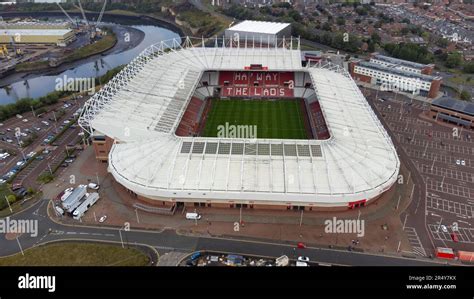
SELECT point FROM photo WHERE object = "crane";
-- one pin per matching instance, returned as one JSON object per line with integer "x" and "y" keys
{"x": 99, "y": 19}
{"x": 67, "y": 15}
{"x": 83, "y": 13}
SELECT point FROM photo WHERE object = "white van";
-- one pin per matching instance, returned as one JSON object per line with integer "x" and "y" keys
{"x": 59, "y": 210}
{"x": 193, "y": 216}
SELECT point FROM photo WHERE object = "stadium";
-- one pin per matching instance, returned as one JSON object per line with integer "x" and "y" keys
{"x": 241, "y": 124}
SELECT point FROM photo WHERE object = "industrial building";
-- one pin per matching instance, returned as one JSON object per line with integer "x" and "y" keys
{"x": 258, "y": 32}
{"x": 37, "y": 33}
{"x": 449, "y": 110}
{"x": 150, "y": 153}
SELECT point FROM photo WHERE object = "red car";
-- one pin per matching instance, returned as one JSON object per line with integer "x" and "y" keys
{"x": 301, "y": 245}
{"x": 454, "y": 237}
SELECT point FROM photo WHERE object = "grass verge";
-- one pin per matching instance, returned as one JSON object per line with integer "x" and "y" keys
{"x": 77, "y": 254}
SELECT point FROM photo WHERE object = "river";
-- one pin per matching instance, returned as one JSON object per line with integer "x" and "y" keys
{"x": 40, "y": 85}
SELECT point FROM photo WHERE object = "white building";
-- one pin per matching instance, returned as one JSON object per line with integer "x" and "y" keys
{"x": 258, "y": 32}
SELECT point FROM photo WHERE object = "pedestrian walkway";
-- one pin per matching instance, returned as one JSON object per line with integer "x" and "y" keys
{"x": 171, "y": 259}
{"x": 415, "y": 241}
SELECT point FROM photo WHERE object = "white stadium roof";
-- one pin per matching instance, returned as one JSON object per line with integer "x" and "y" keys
{"x": 142, "y": 106}
{"x": 259, "y": 27}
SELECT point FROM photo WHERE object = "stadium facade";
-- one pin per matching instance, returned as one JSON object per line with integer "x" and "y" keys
{"x": 146, "y": 122}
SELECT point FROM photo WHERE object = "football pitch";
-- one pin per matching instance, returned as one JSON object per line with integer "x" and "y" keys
{"x": 275, "y": 119}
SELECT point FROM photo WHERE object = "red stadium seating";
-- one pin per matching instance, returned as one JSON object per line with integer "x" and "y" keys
{"x": 190, "y": 122}
{"x": 318, "y": 120}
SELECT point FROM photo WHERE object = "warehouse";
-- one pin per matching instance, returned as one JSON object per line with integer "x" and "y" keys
{"x": 60, "y": 37}
{"x": 257, "y": 32}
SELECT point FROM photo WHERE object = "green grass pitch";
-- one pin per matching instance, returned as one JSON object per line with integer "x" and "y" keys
{"x": 276, "y": 119}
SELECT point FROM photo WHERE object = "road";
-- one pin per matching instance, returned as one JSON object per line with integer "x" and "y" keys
{"x": 169, "y": 240}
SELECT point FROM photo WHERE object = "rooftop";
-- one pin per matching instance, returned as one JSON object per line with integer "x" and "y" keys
{"x": 31, "y": 32}
{"x": 259, "y": 26}
{"x": 358, "y": 162}
{"x": 395, "y": 70}
{"x": 455, "y": 105}
{"x": 399, "y": 61}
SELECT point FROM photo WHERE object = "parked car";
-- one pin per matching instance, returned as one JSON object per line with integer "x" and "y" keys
{"x": 69, "y": 160}
{"x": 303, "y": 259}
{"x": 93, "y": 186}
{"x": 103, "y": 218}
{"x": 25, "y": 120}
{"x": 444, "y": 229}
{"x": 454, "y": 237}
{"x": 193, "y": 216}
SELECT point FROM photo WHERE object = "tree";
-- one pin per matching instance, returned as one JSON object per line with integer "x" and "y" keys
{"x": 469, "y": 68}
{"x": 453, "y": 60}
{"x": 375, "y": 38}
{"x": 294, "y": 15}
{"x": 465, "y": 95}
{"x": 11, "y": 198}
{"x": 340, "y": 21}
{"x": 442, "y": 42}
{"x": 326, "y": 27}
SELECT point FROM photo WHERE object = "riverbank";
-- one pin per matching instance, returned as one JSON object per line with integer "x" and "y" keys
{"x": 90, "y": 54}
{"x": 119, "y": 46}
{"x": 106, "y": 43}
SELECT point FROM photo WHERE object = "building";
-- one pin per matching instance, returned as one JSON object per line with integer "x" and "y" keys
{"x": 401, "y": 64}
{"x": 37, "y": 33}
{"x": 152, "y": 107}
{"x": 392, "y": 78}
{"x": 258, "y": 32}
{"x": 449, "y": 110}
